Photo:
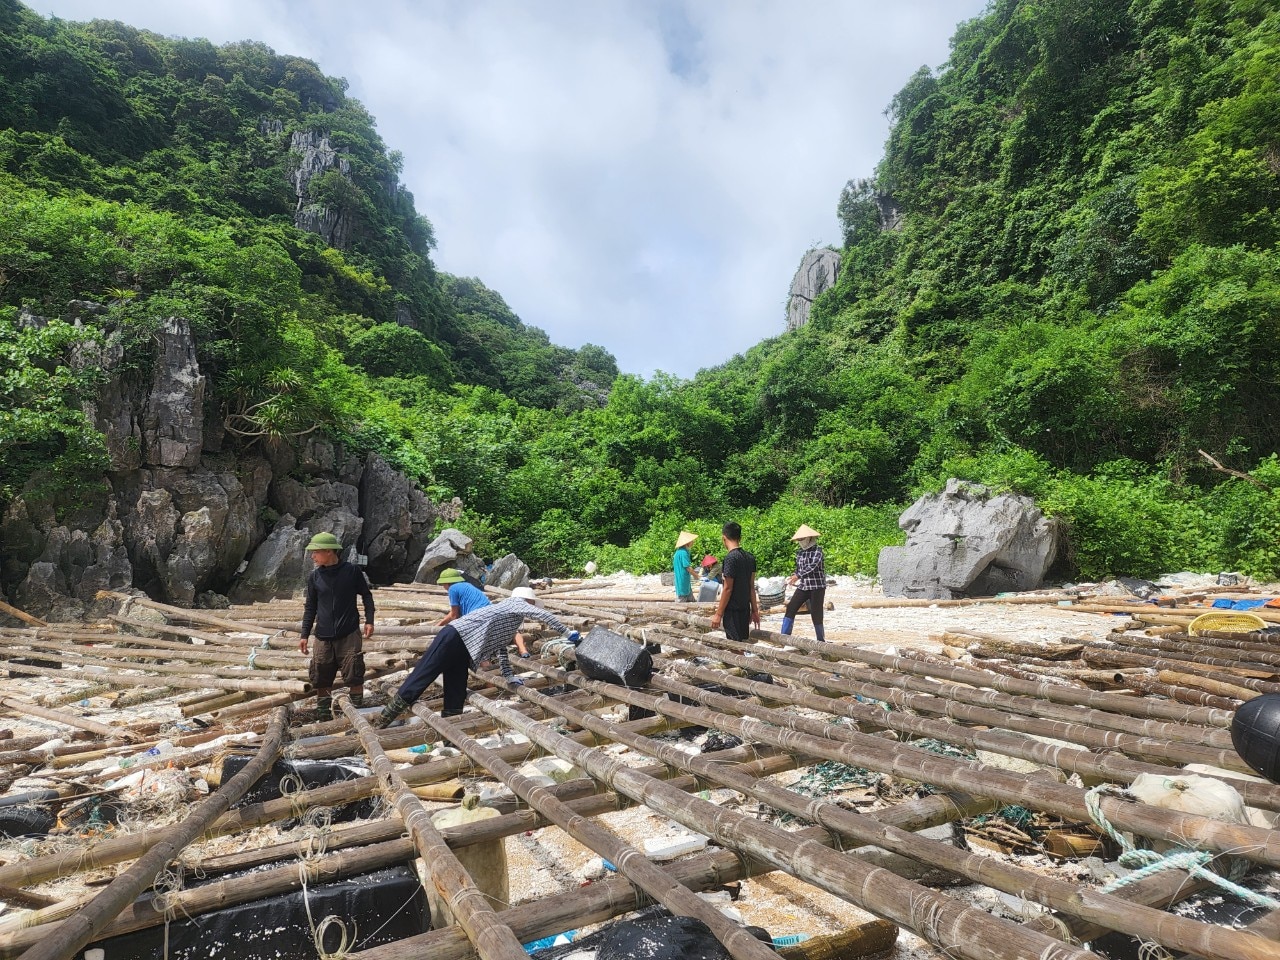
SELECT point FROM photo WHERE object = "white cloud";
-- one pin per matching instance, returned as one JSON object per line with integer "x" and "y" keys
{"x": 643, "y": 175}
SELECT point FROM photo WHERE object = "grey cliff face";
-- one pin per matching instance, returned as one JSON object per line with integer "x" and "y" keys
{"x": 818, "y": 272}
{"x": 315, "y": 155}
{"x": 173, "y": 418}
{"x": 183, "y": 516}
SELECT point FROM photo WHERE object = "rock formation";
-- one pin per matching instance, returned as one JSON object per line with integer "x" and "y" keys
{"x": 452, "y": 548}
{"x": 967, "y": 542}
{"x": 508, "y": 573}
{"x": 315, "y": 156}
{"x": 818, "y": 271}
{"x": 183, "y": 516}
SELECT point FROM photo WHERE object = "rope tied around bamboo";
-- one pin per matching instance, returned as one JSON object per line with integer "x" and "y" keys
{"x": 1145, "y": 863}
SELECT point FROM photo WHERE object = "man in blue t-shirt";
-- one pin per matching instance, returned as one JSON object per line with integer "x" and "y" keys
{"x": 464, "y": 598}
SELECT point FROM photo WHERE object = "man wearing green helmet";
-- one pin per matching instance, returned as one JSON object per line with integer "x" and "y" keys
{"x": 332, "y": 588}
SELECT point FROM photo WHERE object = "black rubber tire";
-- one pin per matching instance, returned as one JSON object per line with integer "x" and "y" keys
{"x": 25, "y": 822}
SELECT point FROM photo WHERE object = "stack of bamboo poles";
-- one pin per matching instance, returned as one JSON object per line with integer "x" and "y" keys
{"x": 826, "y": 704}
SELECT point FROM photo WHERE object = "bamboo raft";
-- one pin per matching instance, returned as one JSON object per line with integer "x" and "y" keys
{"x": 963, "y": 735}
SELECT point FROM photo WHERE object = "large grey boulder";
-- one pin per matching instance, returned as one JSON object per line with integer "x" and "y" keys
{"x": 508, "y": 573}
{"x": 969, "y": 542}
{"x": 278, "y": 568}
{"x": 173, "y": 421}
{"x": 450, "y": 548}
{"x": 818, "y": 272}
{"x": 398, "y": 520}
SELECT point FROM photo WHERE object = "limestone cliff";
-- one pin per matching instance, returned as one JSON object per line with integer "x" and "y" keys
{"x": 189, "y": 513}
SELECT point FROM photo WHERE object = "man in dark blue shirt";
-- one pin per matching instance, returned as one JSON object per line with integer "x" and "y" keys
{"x": 332, "y": 588}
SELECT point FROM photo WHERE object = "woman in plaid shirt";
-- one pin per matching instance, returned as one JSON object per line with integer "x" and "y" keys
{"x": 810, "y": 581}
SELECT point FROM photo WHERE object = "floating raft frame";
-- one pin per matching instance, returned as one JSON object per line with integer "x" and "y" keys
{"x": 1136, "y": 703}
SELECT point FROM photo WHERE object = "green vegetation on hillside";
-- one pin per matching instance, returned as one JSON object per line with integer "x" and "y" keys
{"x": 1062, "y": 279}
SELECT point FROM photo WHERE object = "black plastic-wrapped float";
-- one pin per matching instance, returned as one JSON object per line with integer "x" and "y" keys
{"x": 611, "y": 657}
{"x": 1255, "y": 731}
{"x": 380, "y": 907}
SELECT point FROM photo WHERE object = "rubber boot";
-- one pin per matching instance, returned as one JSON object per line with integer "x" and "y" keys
{"x": 451, "y": 713}
{"x": 390, "y": 712}
{"x": 787, "y": 624}
{"x": 820, "y": 632}
{"x": 324, "y": 708}
{"x": 357, "y": 697}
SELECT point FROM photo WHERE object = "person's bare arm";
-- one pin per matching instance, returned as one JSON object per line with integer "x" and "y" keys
{"x": 454, "y": 613}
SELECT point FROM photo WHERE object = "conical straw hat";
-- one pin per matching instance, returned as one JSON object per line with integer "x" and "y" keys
{"x": 685, "y": 539}
{"x": 805, "y": 531}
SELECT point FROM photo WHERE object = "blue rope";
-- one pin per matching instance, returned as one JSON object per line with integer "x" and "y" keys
{"x": 1145, "y": 863}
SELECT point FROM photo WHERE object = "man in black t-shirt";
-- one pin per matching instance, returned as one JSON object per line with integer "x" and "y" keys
{"x": 332, "y": 589}
{"x": 739, "y": 606}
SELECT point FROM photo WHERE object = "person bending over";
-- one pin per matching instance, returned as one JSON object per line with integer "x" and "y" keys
{"x": 461, "y": 645}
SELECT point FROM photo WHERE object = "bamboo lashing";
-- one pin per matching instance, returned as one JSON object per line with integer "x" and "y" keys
{"x": 631, "y": 863}
{"x": 74, "y": 932}
{"x": 1113, "y": 913}
{"x": 470, "y": 907}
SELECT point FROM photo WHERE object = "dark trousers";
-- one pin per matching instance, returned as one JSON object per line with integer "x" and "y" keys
{"x": 737, "y": 623}
{"x": 815, "y": 598}
{"x": 446, "y": 657}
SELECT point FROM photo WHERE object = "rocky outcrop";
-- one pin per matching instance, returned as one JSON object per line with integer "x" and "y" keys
{"x": 508, "y": 573}
{"x": 818, "y": 272}
{"x": 969, "y": 542}
{"x": 398, "y": 520}
{"x": 186, "y": 523}
{"x": 59, "y": 565}
{"x": 313, "y": 156}
{"x": 451, "y": 548}
{"x": 173, "y": 419}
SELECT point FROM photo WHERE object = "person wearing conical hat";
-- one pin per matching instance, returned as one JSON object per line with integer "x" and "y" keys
{"x": 810, "y": 581}
{"x": 330, "y": 607}
{"x": 682, "y": 566}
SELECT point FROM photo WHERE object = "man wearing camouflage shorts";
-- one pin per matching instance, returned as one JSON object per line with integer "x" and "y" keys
{"x": 332, "y": 588}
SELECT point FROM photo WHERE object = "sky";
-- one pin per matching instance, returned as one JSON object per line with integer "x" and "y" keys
{"x": 643, "y": 175}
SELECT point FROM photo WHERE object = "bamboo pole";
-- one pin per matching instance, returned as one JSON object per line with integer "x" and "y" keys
{"x": 21, "y": 615}
{"x": 1116, "y": 914}
{"x": 1216, "y": 687}
{"x": 1150, "y": 709}
{"x": 66, "y": 719}
{"x": 469, "y": 905}
{"x": 698, "y": 873}
{"x": 845, "y": 745}
{"x": 961, "y": 931}
{"x": 1264, "y": 666}
{"x": 69, "y": 936}
{"x": 1182, "y": 694}
{"x": 1088, "y": 763}
{"x": 612, "y": 897}
{"x": 631, "y": 863}
{"x": 1114, "y": 658}
{"x": 963, "y": 692}
{"x": 815, "y": 673}
{"x": 184, "y": 682}
{"x": 1260, "y": 658}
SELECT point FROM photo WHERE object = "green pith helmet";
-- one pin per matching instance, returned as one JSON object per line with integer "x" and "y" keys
{"x": 324, "y": 541}
{"x": 450, "y": 575}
